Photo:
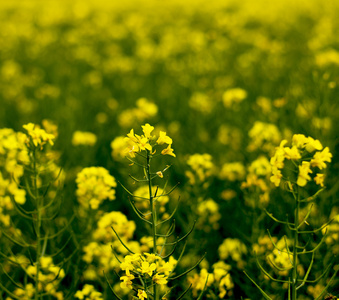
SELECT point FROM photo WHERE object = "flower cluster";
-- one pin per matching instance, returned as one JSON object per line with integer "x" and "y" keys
{"x": 332, "y": 230}
{"x": 37, "y": 136}
{"x": 150, "y": 267}
{"x": 118, "y": 146}
{"x": 264, "y": 136}
{"x": 94, "y": 185}
{"x": 122, "y": 226}
{"x": 232, "y": 96}
{"x": 137, "y": 143}
{"x": 144, "y": 109}
{"x": 88, "y": 293}
{"x": 201, "y": 166}
{"x": 257, "y": 181}
{"x": 232, "y": 171}
{"x": 209, "y": 215}
{"x": 50, "y": 276}
{"x": 281, "y": 258}
{"x": 143, "y": 192}
{"x": 220, "y": 281}
{"x": 98, "y": 253}
{"x": 233, "y": 248}
{"x": 305, "y": 153}
{"x": 264, "y": 244}
{"x": 13, "y": 157}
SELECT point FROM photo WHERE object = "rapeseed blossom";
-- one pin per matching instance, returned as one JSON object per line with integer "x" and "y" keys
{"x": 264, "y": 136}
{"x": 84, "y": 138}
{"x": 256, "y": 182}
{"x": 219, "y": 282}
{"x": 94, "y": 185}
{"x": 88, "y": 293}
{"x": 144, "y": 109}
{"x": 147, "y": 142}
{"x": 142, "y": 294}
{"x": 281, "y": 256}
{"x": 147, "y": 265}
{"x": 37, "y": 136}
{"x": 198, "y": 281}
{"x": 232, "y": 171}
{"x": 307, "y": 154}
{"x": 202, "y": 168}
{"x": 209, "y": 215}
{"x": 233, "y": 248}
{"x": 118, "y": 146}
{"x": 49, "y": 278}
{"x": 235, "y": 95}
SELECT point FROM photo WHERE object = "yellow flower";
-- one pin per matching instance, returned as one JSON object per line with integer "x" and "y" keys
{"x": 292, "y": 153}
{"x": 235, "y": 95}
{"x": 94, "y": 185}
{"x": 303, "y": 176}
{"x": 299, "y": 140}
{"x": 159, "y": 173}
{"x": 148, "y": 268}
{"x": 276, "y": 177}
{"x": 38, "y": 136}
{"x": 168, "y": 151}
{"x": 225, "y": 284}
{"x": 143, "y": 144}
{"x": 319, "y": 179}
{"x": 159, "y": 279}
{"x": 147, "y": 129}
{"x": 313, "y": 145}
{"x": 127, "y": 280}
{"x": 84, "y": 138}
{"x": 320, "y": 158}
{"x": 132, "y": 137}
{"x": 164, "y": 139}
{"x": 142, "y": 294}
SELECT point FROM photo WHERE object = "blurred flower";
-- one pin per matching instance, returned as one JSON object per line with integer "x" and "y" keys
{"x": 94, "y": 185}
{"x": 83, "y": 138}
{"x": 235, "y": 95}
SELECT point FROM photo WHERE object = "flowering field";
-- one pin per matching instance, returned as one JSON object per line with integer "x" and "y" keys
{"x": 169, "y": 149}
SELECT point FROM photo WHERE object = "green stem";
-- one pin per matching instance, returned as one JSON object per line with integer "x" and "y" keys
{"x": 37, "y": 224}
{"x": 295, "y": 247}
{"x": 154, "y": 216}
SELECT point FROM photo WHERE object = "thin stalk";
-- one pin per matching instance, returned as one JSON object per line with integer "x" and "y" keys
{"x": 37, "y": 222}
{"x": 153, "y": 213}
{"x": 295, "y": 246}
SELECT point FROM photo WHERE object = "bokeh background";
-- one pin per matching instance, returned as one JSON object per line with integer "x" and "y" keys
{"x": 227, "y": 81}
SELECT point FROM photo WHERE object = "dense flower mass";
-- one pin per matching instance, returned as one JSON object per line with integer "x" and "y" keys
{"x": 88, "y": 293}
{"x": 94, "y": 185}
{"x": 219, "y": 282}
{"x": 223, "y": 83}
{"x": 201, "y": 166}
{"x": 13, "y": 157}
{"x": 147, "y": 141}
{"x": 307, "y": 154}
{"x": 152, "y": 268}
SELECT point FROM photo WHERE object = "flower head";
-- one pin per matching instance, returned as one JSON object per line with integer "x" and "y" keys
{"x": 147, "y": 129}
{"x": 164, "y": 139}
{"x": 38, "y": 136}
{"x": 303, "y": 176}
{"x": 142, "y": 294}
{"x": 136, "y": 143}
{"x": 168, "y": 151}
{"x": 320, "y": 158}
